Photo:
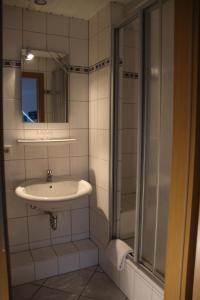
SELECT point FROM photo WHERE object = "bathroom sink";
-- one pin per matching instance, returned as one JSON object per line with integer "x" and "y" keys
{"x": 52, "y": 196}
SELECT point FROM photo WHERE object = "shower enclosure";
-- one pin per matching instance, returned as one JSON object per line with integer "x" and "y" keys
{"x": 143, "y": 98}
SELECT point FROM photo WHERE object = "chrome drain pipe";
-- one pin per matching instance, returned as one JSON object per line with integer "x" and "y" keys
{"x": 53, "y": 219}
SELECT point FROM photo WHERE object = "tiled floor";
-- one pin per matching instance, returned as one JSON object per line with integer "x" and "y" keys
{"x": 86, "y": 284}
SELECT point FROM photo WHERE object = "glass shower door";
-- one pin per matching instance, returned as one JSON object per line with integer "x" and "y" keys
{"x": 156, "y": 136}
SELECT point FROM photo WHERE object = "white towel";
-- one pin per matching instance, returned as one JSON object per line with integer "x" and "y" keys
{"x": 117, "y": 252}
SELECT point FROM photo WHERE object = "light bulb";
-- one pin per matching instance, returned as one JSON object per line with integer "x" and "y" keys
{"x": 29, "y": 56}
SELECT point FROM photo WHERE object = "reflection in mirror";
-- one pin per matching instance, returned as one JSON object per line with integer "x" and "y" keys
{"x": 32, "y": 97}
{"x": 44, "y": 87}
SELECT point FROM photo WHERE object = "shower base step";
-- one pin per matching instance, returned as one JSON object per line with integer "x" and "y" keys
{"x": 45, "y": 262}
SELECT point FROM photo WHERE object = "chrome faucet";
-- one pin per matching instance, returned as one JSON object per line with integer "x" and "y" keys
{"x": 49, "y": 175}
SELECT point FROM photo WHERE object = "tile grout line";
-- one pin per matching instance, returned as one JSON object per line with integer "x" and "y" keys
{"x": 86, "y": 285}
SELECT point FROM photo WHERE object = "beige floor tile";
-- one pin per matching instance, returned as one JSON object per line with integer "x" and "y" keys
{"x": 25, "y": 291}
{"x": 99, "y": 269}
{"x": 73, "y": 282}
{"x": 85, "y": 298}
{"x": 101, "y": 287}
{"x": 51, "y": 294}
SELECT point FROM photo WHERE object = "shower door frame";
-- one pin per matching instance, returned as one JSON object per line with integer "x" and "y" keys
{"x": 138, "y": 13}
{"x": 182, "y": 265}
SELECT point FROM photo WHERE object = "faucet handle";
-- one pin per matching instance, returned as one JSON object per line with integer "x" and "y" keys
{"x": 49, "y": 172}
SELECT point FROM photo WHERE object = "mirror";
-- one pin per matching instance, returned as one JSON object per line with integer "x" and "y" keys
{"x": 44, "y": 87}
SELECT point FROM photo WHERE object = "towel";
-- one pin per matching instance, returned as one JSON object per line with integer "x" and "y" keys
{"x": 117, "y": 252}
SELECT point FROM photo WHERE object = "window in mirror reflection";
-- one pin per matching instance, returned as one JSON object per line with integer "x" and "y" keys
{"x": 45, "y": 95}
{"x": 32, "y": 97}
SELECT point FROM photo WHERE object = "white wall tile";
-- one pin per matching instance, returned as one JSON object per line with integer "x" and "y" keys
{"x": 39, "y": 244}
{"x": 59, "y": 166}
{"x": 12, "y": 17}
{"x": 14, "y": 173}
{"x": 22, "y": 268}
{"x": 93, "y": 50}
{"x": 68, "y": 258}
{"x": 34, "y": 40}
{"x": 35, "y": 133}
{"x": 57, "y": 43}
{"x": 129, "y": 141}
{"x": 30, "y": 65}
{"x": 128, "y": 185}
{"x": 78, "y": 57}
{"x": 19, "y": 248}
{"x": 102, "y": 178}
{"x": 61, "y": 239}
{"x": 99, "y": 201}
{"x": 78, "y": 28}
{"x": 58, "y": 151}
{"x": 57, "y": 25}
{"x": 88, "y": 252}
{"x": 93, "y": 26}
{"x": 12, "y": 44}
{"x": 38, "y": 151}
{"x": 36, "y": 168}
{"x": 104, "y": 17}
{"x": 78, "y": 87}
{"x": 102, "y": 141}
{"x": 82, "y": 202}
{"x": 63, "y": 225}
{"x": 11, "y": 84}
{"x": 104, "y": 44}
{"x": 99, "y": 228}
{"x": 39, "y": 228}
{"x": 33, "y": 130}
{"x": 104, "y": 83}
{"x": 34, "y": 21}
{"x": 15, "y": 207}
{"x": 93, "y": 114}
{"x": 80, "y": 236}
{"x": 12, "y": 108}
{"x": 109, "y": 268}
{"x": 18, "y": 231}
{"x": 130, "y": 90}
{"x": 103, "y": 114}
{"x": 129, "y": 165}
{"x": 10, "y": 138}
{"x": 78, "y": 115}
{"x": 80, "y": 220}
{"x": 79, "y": 167}
{"x": 93, "y": 86}
{"x": 80, "y": 147}
{"x": 46, "y": 264}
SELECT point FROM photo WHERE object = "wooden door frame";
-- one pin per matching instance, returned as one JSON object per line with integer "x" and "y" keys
{"x": 184, "y": 196}
{"x": 5, "y": 281}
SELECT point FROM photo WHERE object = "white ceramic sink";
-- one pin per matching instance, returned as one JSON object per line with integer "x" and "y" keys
{"x": 55, "y": 195}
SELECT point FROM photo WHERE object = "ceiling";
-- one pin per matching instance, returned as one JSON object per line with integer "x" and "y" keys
{"x": 83, "y": 9}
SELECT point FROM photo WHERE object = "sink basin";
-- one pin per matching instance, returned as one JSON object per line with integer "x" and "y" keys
{"x": 55, "y": 195}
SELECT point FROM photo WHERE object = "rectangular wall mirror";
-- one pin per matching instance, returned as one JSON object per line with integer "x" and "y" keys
{"x": 44, "y": 86}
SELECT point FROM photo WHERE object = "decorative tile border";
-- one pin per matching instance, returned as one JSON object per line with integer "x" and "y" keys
{"x": 130, "y": 75}
{"x": 100, "y": 65}
{"x": 8, "y": 63}
{"x": 70, "y": 68}
{"x": 78, "y": 69}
